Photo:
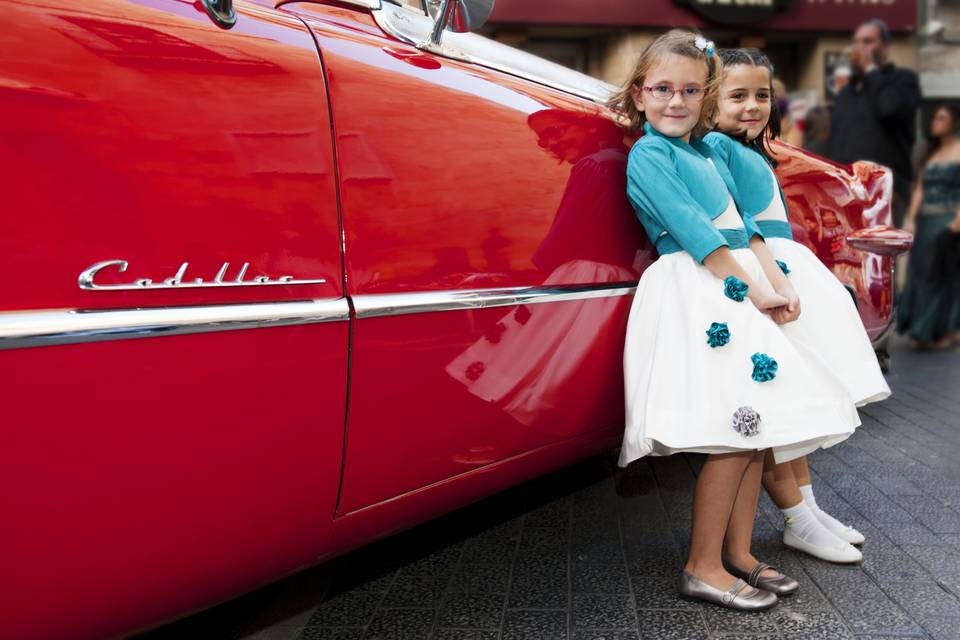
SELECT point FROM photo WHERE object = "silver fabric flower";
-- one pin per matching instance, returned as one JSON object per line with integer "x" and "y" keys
{"x": 746, "y": 422}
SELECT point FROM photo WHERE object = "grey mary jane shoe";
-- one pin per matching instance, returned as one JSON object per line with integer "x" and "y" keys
{"x": 780, "y": 584}
{"x": 740, "y": 597}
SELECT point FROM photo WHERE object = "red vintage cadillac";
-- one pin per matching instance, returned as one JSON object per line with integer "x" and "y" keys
{"x": 283, "y": 279}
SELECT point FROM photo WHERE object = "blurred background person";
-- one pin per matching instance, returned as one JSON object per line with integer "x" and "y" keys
{"x": 817, "y": 130}
{"x": 930, "y": 306}
{"x": 873, "y": 118}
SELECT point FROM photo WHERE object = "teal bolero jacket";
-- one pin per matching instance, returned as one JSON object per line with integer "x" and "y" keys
{"x": 677, "y": 191}
{"x": 756, "y": 185}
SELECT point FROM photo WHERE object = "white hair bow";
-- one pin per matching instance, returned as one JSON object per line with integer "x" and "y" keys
{"x": 704, "y": 45}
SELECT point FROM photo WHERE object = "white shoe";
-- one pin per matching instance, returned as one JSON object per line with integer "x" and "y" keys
{"x": 842, "y": 552}
{"x": 849, "y": 534}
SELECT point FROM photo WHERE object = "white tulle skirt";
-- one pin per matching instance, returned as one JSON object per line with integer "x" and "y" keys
{"x": 682, "y": 394}
{"x": 829, "y": 324}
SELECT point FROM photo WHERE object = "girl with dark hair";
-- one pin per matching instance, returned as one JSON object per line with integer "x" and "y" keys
{"x": 929, "y": 309}
{"x": 751, "y": 61}
{"x": 829, "y": 322}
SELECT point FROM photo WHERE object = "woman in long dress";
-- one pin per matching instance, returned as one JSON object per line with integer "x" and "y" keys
{"x": 929, "y": 311}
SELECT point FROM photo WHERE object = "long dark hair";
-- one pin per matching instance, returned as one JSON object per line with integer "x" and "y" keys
{"x": 933, "y": 143}
{"x": 756, "y": 58}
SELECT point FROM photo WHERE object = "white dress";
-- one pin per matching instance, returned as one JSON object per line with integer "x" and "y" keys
{"x": 829, "y": 324}
{"x": 682, "y": 394}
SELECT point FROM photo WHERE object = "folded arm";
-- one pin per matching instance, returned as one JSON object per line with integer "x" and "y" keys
{"x": 722, "y": 264}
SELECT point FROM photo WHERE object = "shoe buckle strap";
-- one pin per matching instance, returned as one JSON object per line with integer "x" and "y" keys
{"x": 754, "y": 577}
{"x": 733, "y": 591}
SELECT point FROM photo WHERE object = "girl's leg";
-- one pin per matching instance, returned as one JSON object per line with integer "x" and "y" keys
{"x": 713, "y": 499}
{"x": 781, "y": 483}
{"x": 804, "y": 529}
{"x": 740, "y": 529}
{"x": 802, "y": 474}
{"x": 801, "y": 471}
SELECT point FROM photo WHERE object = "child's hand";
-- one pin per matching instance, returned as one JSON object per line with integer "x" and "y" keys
{"x": 780, "y": 315}
{"x": 767, "y": 301}
{"x": 790, "y": 312}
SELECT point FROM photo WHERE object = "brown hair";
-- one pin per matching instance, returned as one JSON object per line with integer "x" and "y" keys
{"x": 933, "y": 143}
{"x": 674, "y": 42}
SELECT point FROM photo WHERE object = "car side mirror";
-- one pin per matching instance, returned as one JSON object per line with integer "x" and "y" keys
{"x": 221, "y": 12}
{"x": 459, "y": 16}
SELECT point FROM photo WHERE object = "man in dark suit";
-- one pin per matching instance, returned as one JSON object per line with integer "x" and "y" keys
{"x": 875, "y": 113}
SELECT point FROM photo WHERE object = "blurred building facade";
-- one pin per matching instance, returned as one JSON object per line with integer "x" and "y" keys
{"x": 939, "y": 50}
{"x": 804, "y": 38}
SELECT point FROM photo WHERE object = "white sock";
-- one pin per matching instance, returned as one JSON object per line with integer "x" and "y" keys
{"x": 804, "y": 523}
{"x": 831, "y": 523}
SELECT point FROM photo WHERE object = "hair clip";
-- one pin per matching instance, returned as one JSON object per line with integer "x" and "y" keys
{"x": 704, "y": 45}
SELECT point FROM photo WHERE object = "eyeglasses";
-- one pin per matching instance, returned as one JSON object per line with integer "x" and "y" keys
{"x": 665, "y": 93}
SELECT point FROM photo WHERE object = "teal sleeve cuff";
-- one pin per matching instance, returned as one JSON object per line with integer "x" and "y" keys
{"x": 751, "y": 227}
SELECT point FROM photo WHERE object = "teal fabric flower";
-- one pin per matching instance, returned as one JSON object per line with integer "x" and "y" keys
{"x": 735, "y": 288}
{"x": 764, "y": 367}
{"x": 718, "y": 334}
{"x": 783, "y": 267}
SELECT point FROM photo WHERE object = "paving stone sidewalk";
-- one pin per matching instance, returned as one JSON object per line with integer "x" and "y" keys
{"x": 592, "y": 553}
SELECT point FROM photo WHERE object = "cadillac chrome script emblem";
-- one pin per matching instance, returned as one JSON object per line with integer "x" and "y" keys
{"x": 178, "y": 280}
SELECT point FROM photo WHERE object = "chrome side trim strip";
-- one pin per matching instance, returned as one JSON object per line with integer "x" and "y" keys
{"x": 48, "y": 327}
{"x": 21, "y": 329}
{"x": 407, "y": 24}
{"x": 364, "y": 4}
{"x": 394, "y": 304}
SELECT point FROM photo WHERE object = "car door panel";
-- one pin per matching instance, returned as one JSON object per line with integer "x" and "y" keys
{"x": 462, "y": 182}
{"x": 166, "y": 445}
